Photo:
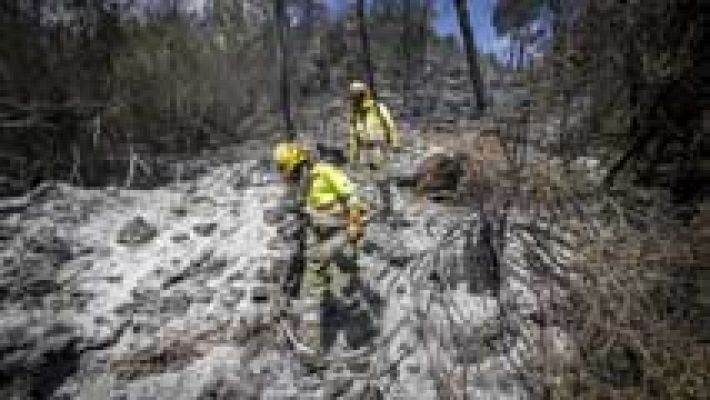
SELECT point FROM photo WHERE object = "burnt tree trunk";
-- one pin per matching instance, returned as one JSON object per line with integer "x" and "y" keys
{"x": 365, "y": 42}
{"x": 407, "y": 52}
{"x": 471, "y": 53}
{"x": 282, "y": 28}
{"x": 424, "y": 32}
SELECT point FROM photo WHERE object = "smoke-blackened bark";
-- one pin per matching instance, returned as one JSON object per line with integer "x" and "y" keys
{"x": 365, "y": 42}
{"x": 471, "y": 53}
{"x": 282, "y": 27}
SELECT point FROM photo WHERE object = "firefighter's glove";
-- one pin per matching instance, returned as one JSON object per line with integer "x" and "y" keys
{"x": 354, "y": 224}
{"x": 354, "y": 232}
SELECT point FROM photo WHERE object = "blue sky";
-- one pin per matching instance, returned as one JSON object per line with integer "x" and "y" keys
{"x": 481, "y": 16}
{"x": 481, "y": 12}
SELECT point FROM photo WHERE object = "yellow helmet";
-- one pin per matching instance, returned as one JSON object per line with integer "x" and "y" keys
{"x": 357, "y": 87}
{"x": 288, "y": 155}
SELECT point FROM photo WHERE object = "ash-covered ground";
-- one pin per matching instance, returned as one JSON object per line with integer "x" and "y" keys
{"x": 172, "y": 293}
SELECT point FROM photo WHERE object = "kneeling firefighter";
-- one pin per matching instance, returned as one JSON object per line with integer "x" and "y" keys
{"x": 334, "y": 224}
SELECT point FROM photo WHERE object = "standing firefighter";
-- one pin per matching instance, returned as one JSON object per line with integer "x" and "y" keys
{"x": 334, "y": 220}
{"x": 372, "y": 138}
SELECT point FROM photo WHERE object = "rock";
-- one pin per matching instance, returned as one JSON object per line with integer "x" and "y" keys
{"x": 205, "y": 229}
{"x": 180, "y": 237}
{"x": 136, "y": 231}
{"x": 469, "y": 164}
{"x": 439, "y": 172}
{"x": 259, "y": 295}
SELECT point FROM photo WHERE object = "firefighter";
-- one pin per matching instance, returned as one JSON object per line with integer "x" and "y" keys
{"x": 373, "y": 137}
{"x": 334, "y": 224}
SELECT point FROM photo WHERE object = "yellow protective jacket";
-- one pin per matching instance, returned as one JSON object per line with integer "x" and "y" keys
{"x": 328, "y": 186}
{"x": 371, "y": 126}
